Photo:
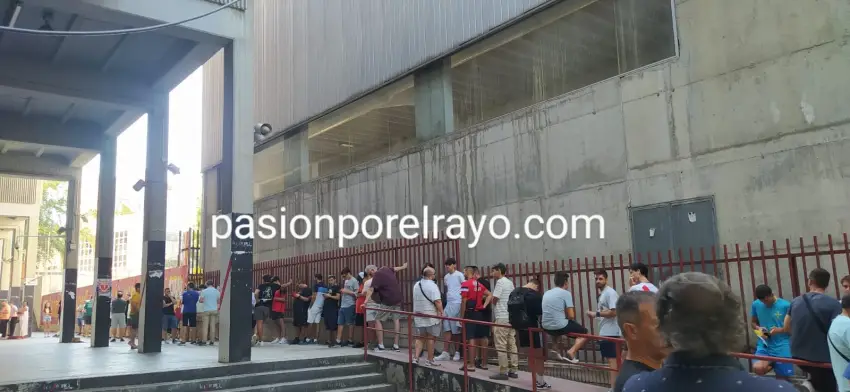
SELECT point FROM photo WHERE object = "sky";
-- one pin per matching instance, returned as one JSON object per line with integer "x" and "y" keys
{"x": 184, "y": 151}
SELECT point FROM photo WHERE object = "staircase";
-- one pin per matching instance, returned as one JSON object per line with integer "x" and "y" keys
{"x": 347, "y": 373}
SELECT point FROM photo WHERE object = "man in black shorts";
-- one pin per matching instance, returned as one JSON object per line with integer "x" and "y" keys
{"x": 525, "y": 307}
{"x": 265, "y": 295}
{"x": 558, "y": 318}
{"x": 473, "y": 295}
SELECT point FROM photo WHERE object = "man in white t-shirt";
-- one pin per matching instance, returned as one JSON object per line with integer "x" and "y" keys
{"x": 639, "y": 276}
{"x": 427, "y": 300}
{"x": 451, "y": 329}
{"x": 504, "y": 337}
{"x": 606, "y": 315}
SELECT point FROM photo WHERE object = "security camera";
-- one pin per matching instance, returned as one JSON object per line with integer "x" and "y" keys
{"x": 262, "y": 129}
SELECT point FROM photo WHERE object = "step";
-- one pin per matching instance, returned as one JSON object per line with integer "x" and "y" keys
{"x": 126, "y": 381}
{"x": 368, "y": 388}
{"x": 369, "y": 380}
{"x": 247, "y": 379}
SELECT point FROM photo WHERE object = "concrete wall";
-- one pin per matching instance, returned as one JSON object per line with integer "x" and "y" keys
{"x": 753, "y": 113}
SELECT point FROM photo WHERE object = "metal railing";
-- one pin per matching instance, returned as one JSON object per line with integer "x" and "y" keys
{"x": 618, "y": 342}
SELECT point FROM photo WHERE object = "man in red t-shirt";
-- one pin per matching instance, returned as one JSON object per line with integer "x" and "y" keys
{"x": 473, "y": 295}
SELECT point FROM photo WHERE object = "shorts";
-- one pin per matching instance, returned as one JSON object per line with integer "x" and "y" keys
{"x": 118, "y": 321}
{"x": 314, "y": 315}
{"x": 299, "y": 317}
{"x": 452, "y": 310}
{"x": 781, "y": 369}
{"x": 331, "y": 319}
{"x": 346, "y": 316}
{"x": 360, "y": 320}
{"x": 572, "y": 327}
{"x": 476, "y": 331}
{"x": 46, "y": 319}
{"x": 433, "y": 330}
{"x": 382, "y": 313}
{"x": 134, "y": 321}
{"x": 276, "y": 315}
{"x": 169, "y": 321}
{"x": 80, "y": 321}
{"x": 190, "y": 320}
{"x": 260, "y": 313}
{"x": 608, "y": 349}
{"x": 524, "y": 338}
{"x": 87, "y": 320}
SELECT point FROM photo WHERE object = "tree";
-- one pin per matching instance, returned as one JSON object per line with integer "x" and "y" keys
{"x": 198, "y": 219}
{"x": 50, "y": 218}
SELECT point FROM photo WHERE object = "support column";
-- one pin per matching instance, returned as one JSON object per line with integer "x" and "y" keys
{"x": 72, "y": 237}
{"x": 433, "y": 101}
{"x": 237, "y": 199}
{"x": 153, "y": 269}
{"x": 296, "y": 157}
{"x": 104, "y": 244}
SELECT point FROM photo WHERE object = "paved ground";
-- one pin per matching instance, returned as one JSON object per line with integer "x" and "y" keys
{"x": 524, "y": 380}
{"x": 45, "y": 359}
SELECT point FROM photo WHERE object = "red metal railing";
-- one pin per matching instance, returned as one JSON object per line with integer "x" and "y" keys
{"x": 783, "y": 265}
{"x": 619, "y": 344}
{"x": 416, "y": 253}
{"x": 743, "y": 267}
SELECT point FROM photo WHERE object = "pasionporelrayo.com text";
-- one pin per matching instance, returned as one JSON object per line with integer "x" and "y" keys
{"x": 348, "y": 227}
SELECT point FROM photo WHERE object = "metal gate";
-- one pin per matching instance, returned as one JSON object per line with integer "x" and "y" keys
{"x": 679, "y": 225}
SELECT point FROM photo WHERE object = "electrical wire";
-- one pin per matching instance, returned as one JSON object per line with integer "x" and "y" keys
{"x": 111, "y": 32}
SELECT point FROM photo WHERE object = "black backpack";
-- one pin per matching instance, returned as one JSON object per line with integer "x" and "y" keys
{"x": 517, "y": 313}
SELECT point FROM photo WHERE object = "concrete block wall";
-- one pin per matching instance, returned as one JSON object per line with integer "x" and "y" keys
{"x": 753, "y": 112}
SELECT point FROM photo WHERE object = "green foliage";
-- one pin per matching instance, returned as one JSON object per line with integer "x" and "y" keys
{"x": 51, "y": 217}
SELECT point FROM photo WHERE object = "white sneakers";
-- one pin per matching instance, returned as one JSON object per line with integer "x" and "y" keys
{"x": 444, "y": 356}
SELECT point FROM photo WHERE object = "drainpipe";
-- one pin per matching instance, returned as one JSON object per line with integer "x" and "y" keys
{"x": 16, "y": 13}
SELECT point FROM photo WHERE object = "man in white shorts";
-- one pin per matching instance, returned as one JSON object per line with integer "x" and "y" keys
{"x": 314, "y": 314}
{"x": 451, "y": 329}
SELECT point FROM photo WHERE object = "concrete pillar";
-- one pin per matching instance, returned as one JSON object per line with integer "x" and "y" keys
{"x": 296, "y": 153}
{"x": 433, "y": 101}
{"x": 72, "y": 233}
{"x": 104, "y": 244}
{"x": 237, "y": 201}
{"x": 153, "y": 269}
{"x": 15, "y": 293}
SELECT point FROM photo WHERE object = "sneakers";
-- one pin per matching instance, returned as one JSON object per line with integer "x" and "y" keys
{"x": 444, "y": 356}
{"x": 282, "y": 341}
{"x": 513, "y": 374}
{"x": 380, "y": 348}
{"x": 432, "y": 363}
{"x": 544, "y": 385}
{"x": 456, "y": 357}
{"x": 113, "y": 340}
{"x": 276, "y": 341}
{"x": 500, "y": 377}
{"x": 561, "y": 358}
{"x": 396, "y": 348}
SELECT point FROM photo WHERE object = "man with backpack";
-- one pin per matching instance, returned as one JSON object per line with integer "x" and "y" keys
{"x": 809, "y": 321}
{"x": 524, "y": 311}
{"x": 473, "y": 295}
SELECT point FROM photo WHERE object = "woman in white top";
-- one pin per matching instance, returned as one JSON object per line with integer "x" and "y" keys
{"x": 22, "y": 329}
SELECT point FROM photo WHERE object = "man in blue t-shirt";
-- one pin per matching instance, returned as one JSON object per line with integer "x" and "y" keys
{"x": 190, "y": 314}
{"x": 768, "y": 319}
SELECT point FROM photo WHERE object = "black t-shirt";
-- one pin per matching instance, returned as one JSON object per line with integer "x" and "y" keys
{"x": 267, "y": 291}
{"x": 331, "y": 305}
{"x": 302, "y": 305}
{"x": 168, "y": 308}
{"x": 627, "y": 370}
{"x": 119, "y": 305}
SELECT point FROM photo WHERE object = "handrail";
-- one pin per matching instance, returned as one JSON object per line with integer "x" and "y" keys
{"x": 619, "y": 341}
